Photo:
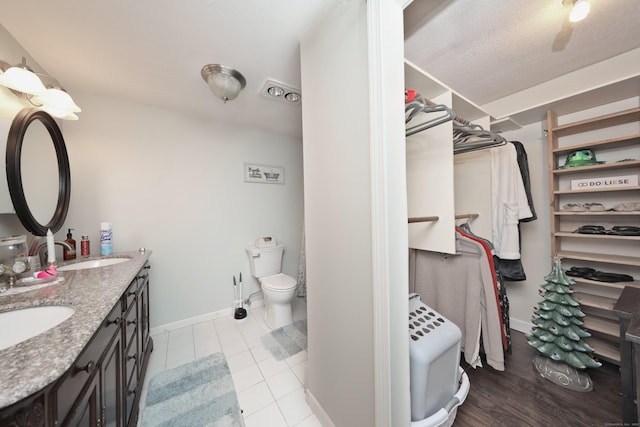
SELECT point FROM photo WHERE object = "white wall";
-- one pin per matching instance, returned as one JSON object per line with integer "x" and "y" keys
{"x": 174, "y": 184}
{"x": 340, "y": 374}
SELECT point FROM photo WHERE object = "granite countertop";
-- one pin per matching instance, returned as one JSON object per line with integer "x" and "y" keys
{"x": 31, "y": 365}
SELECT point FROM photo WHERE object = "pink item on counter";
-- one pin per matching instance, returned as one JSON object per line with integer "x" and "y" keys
{"x": 49, "y": 272}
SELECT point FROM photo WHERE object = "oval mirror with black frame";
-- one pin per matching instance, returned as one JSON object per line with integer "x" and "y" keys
{"x": 16, "y": 142}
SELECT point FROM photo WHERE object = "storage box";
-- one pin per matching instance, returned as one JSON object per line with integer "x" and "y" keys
{"x": 604, "y": 182}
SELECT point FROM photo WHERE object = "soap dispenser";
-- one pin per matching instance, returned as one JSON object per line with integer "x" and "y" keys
{"x": 68, "y": 254}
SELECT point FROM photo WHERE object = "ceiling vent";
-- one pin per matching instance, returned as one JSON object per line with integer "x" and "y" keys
{"x": 282, "y": 92}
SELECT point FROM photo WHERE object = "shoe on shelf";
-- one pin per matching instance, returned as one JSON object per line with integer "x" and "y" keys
{"x": 574, "y": 207}
{"x": 627, "y": 207}
{"x": 594, "y": 207}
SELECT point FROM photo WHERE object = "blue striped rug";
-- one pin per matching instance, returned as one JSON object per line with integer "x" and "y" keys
{"x": 200, "y": 393}
{"x": 287, "y": 340}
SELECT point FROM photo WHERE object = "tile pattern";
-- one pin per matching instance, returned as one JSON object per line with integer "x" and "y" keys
{"x": 270, "y": 392}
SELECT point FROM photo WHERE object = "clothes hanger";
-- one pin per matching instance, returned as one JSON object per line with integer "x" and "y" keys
{"x": 416, "y": 108}
{"x": 462, "y": 239}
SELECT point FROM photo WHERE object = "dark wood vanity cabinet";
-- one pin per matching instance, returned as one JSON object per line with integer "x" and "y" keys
{"x": 103, "y": 386}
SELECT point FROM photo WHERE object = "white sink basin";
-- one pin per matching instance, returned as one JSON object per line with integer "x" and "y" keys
{"x": 20, "y": 325}
{"x": 94, "y": 263}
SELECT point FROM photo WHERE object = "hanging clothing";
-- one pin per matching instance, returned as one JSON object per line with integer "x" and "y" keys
{"x": 489, "y": 253}
{"x": 508, "y": 200}
{"x": 523, "y": 165}
{"x": 512, "y": 269}
{"x": 462, "y": 289}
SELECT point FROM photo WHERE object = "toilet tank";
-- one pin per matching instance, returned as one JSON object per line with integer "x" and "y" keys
{"x": 265, "y": 261}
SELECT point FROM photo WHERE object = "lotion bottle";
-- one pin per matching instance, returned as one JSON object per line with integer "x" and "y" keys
{"x": 68, "y": 254}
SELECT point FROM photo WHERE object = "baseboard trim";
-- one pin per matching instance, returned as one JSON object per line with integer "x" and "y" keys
{"x": 520, "y": 325}
{"x": 317, "y": 410}
{"x": 172, "y": 326}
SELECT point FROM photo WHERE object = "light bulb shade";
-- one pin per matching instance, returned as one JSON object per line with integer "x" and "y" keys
{"x": 22, "y": 80}
{"x": 58, "y": 99}
{"x": 59, "y": 113}
{"x": 225, "y": 83}
{"x": 580, "y": 10}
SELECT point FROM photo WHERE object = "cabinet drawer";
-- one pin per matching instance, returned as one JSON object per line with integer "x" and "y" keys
{"x": 75, "y": 379}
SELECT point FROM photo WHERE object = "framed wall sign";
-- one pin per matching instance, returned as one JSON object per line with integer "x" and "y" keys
{"x": 263, "y": 174}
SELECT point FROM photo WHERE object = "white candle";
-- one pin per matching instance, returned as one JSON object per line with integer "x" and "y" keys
{"x": 51, "y": 248}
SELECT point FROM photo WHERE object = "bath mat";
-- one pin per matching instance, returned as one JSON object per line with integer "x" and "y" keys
{"x": 287, "y": 340}
{"x": 200, "y": 393}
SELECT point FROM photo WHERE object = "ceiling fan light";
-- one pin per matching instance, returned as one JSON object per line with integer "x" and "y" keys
{"x": 225, "y": 83}
{"x": 580, "y": 10}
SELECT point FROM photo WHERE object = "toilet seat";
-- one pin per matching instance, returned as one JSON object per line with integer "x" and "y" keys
{"x": 278, "y": 283}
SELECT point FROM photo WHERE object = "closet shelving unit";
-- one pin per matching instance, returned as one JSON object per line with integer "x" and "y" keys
{"x": 439, "y": 184}
{"x": 613, "y": 137}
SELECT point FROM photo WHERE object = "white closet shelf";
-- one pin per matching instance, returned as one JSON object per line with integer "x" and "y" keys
{"x": 595, "y": 236}
{"x": 614, "y": 285}
{"x": 605, "y": 349}
{"x": 604, "y": 166}
{"x": 610, "y": 259}
{"x": 623, "y": 141}
{"x": 601, "y": 190}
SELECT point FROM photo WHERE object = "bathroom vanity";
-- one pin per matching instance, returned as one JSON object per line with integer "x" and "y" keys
{"x": 89, "y": 369}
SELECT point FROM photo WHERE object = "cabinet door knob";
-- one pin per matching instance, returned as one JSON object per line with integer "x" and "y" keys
{"x": 115, "y": 321}
{"x": 89, "y": 367}
{"x": 135, "y": 356}
{"x": 132, "y": 322}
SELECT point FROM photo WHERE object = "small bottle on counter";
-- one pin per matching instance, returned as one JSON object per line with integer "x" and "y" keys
{"x": 106, "y": 247}
{"x": 85, "y": 249}
{"x": 68, "y": 254}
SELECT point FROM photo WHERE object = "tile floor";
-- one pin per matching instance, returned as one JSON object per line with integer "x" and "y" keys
{"x": 270, "y": 392}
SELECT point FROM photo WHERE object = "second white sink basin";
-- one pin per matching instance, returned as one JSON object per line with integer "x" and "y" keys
{"x": 94, "y": 263}
{"x": 20, "y": 325}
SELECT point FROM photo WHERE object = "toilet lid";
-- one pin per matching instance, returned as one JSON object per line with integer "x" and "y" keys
{"x": 279, "y": 282}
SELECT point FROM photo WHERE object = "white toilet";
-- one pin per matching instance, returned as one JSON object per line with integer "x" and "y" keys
{"x": 277, "y": 289}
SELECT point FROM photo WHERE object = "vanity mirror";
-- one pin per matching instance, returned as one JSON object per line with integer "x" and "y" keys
{"x": 38, "y": 173}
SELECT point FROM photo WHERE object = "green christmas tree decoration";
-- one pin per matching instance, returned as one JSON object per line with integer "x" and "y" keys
{"x": 557, "y": 319}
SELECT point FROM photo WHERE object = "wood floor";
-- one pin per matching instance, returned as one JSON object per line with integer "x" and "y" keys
{"x": 519, "y": 396}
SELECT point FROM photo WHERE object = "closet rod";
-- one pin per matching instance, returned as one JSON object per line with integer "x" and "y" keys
{"x": 470, "y": 216}
{"x": 424, "y": 219}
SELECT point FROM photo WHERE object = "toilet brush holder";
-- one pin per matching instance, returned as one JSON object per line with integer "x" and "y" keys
{"x": 239, "y": 312}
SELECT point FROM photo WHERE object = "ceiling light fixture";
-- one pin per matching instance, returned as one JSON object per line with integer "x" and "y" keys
{"x": 580, "y": 10}
{"x": 280, "y": 92}
{"x": 225, "y": 83}
{"x": 26, "y": 84}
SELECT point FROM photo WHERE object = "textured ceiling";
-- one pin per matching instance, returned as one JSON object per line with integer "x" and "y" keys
{"x": 486, "y": 50}
{"x": 151, "y": 51}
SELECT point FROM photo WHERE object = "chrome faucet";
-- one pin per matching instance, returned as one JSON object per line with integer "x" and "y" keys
{"x": 44, "y": 254}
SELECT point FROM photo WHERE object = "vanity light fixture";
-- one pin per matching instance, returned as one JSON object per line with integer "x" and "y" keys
{"x": 580, "y": 9}
{"x": 280, "y": 91}
{"x": 225, "y": 82}
{"x": 40, "y": 90}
